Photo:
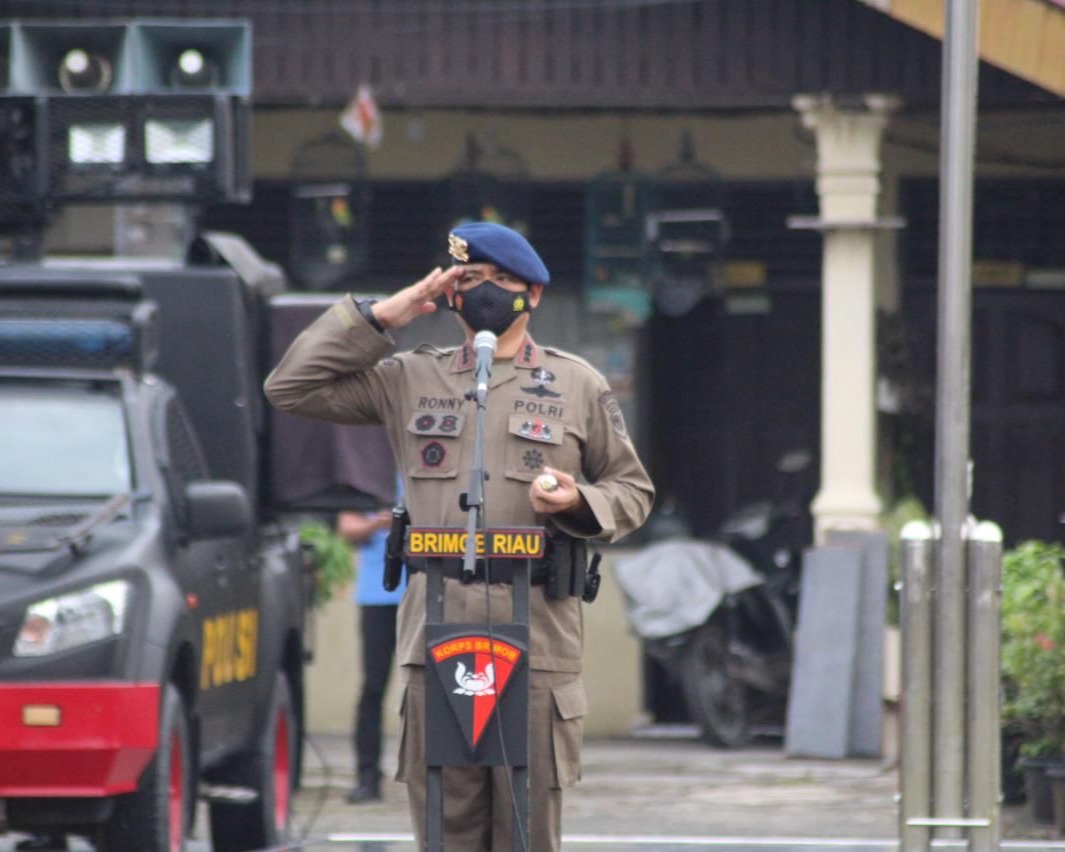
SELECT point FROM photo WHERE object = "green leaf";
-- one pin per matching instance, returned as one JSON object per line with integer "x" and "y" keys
{"x": 334, "y": 567}
{"x": 1033, "y": 646}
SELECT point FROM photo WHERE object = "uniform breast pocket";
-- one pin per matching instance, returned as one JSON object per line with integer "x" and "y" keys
{"x": 534, "y": 443}
{"x": 434, "y": 444}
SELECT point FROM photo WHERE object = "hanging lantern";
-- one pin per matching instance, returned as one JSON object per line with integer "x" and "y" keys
{"x": 488, "y": 186}
{"x": 615, "y": 254}
{"x": 328, "y": 213}
{"x": 686, "y": 233}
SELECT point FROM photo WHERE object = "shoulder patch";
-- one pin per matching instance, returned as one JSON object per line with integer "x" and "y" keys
{"x": 613, "y": 412}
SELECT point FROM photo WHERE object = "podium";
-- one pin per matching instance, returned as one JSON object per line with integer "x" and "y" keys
{"x": 477, "y": 686}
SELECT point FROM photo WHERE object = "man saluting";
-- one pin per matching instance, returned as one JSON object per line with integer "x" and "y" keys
{"x": 550, "y": 415}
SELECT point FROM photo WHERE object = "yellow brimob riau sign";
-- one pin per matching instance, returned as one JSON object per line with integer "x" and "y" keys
{"x": 515, "y": 543}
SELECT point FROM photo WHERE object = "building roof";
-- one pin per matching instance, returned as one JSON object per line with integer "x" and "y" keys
{"x": 1026, "y": 38}
{"x": 617, "y": 55}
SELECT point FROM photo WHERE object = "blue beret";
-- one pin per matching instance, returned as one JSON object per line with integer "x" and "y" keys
{"x": 487, "y": 242}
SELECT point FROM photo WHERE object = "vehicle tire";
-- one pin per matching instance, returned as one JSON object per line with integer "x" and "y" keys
{"x": 270, "y": 771}
{"x": 716, "y": 702}
{"x": 157, "y": 813}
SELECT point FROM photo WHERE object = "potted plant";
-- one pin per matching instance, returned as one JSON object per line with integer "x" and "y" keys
{"x": 1033, "y": 665}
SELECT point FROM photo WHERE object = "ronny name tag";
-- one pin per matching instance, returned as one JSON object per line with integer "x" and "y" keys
{"x": 511, "y": 543}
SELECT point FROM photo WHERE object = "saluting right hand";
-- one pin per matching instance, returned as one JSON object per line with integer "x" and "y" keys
{"x": 419, "y": 299}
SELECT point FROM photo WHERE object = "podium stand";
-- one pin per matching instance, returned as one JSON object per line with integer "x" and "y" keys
{"x": 477, "y": 686}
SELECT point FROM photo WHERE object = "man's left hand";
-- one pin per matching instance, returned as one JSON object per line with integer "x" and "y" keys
{"x": 563, "y": 498}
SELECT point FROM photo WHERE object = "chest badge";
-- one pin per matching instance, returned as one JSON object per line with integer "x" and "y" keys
{"x": 542, "y": 377}
{"x": 536, "y": 430}
{"x": 433, "y": 454}
{"x": 533, "y": 459}
{"x": 444, "y": 425}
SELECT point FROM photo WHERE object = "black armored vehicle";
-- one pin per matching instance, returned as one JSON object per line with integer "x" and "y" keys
{"x": 152, "y": 604}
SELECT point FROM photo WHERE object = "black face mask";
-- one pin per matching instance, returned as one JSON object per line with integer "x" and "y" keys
{"x": 488, "y": 307}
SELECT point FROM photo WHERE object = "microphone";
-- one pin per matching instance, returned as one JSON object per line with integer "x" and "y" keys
{"x": 484, "y": 344}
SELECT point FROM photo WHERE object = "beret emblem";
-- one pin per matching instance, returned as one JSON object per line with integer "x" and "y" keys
{"x": 458, "y": 248}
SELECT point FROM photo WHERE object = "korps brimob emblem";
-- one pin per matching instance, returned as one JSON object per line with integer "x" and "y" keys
{"x": 475, "y": 673}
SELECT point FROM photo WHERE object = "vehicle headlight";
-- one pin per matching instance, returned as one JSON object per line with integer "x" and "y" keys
{"x": 73, "y": 619}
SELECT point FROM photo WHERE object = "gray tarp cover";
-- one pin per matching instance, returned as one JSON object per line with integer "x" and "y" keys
{"x": 674, "y": 585}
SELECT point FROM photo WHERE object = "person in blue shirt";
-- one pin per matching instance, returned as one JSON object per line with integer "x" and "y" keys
{"x": 377, "y": 610}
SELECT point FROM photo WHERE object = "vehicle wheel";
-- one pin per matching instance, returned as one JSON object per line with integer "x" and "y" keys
{"x": 157, "y": 813}
{"x": 716, "y": 702}
{"x": 270, "y": 771}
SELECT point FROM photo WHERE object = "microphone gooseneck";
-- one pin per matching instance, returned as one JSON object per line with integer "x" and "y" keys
{"x": 484, "y": 344}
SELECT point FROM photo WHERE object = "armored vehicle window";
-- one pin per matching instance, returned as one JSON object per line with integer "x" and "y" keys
{"x": 63, "y": 441}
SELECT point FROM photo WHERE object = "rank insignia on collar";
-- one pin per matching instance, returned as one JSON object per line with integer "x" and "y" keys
{"x": 458, "y": 248}
{"x": 528, "y": 354}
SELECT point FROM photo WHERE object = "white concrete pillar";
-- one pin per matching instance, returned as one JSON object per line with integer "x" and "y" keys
{"x": 848, "y": 185}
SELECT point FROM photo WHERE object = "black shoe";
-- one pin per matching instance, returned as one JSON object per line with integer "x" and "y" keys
{"x": 367, "y": 790}
{"x": 43, "y": 843}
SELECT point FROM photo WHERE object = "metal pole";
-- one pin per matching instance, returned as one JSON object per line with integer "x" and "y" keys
{"x": 915, "y": 776}
{"x": 984, "y": 771}
{"x": 434, "y": 775}
{"x": 952, "y": 401}
{"x": 519, "y": 769}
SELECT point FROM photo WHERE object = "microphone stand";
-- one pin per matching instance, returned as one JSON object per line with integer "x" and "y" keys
{"x": 475, "y": 494}
{"x": 512, "y": 749}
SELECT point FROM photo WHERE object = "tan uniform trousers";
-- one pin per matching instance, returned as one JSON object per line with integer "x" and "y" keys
{"x": 477, "y": 802}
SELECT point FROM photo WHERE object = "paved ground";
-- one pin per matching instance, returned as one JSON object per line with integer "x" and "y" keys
{"x": 655, "y": 793}
{"x": 672, "y": 793}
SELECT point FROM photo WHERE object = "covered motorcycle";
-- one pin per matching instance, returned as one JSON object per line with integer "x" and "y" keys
{"x": 718, "y": 627}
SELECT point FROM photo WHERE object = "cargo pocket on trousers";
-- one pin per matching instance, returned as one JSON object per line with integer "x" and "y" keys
{"x": 567, "y": 733}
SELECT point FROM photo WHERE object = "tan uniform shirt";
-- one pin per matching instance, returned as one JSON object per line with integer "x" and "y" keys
{"x": 545, "y": 408}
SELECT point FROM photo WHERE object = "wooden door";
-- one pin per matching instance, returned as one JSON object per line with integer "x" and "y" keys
{"x": 1018, "y": 407}
{"x": 734, "y": 384}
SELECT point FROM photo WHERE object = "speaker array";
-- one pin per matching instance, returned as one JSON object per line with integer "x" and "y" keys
{"x": 140, "y": 109}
